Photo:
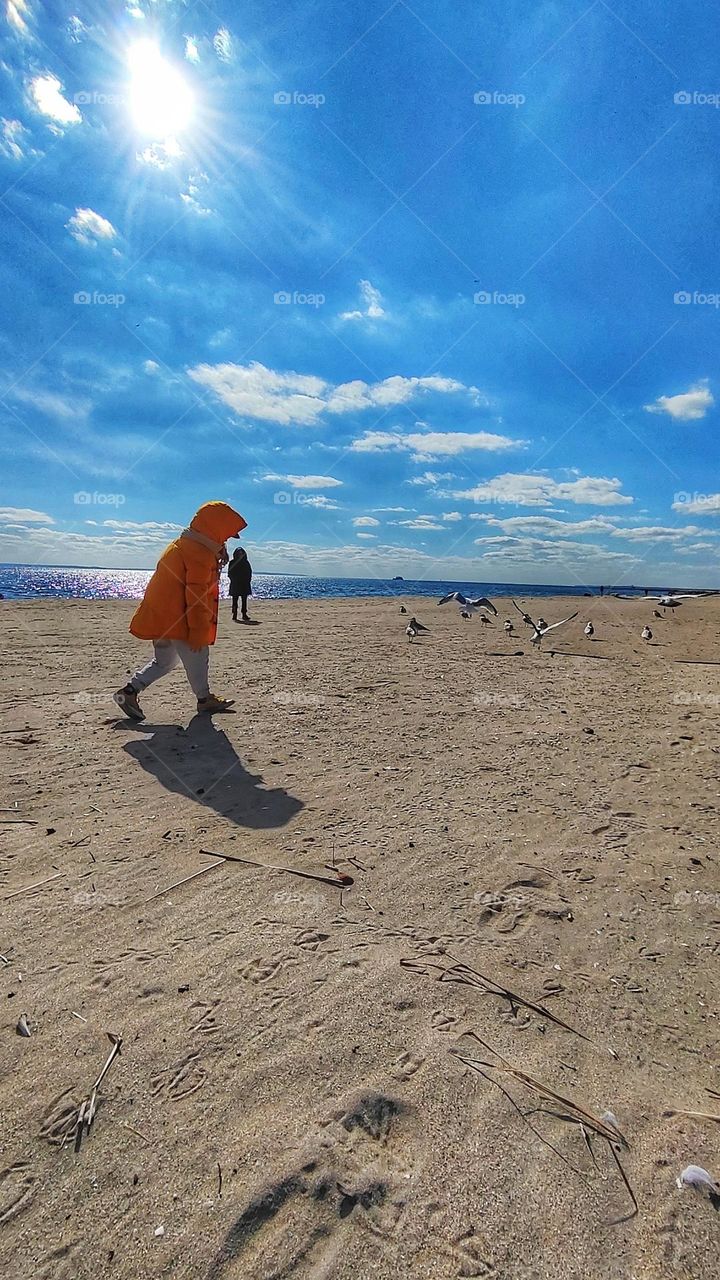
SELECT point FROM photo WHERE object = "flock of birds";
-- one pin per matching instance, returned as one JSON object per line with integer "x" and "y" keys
{"x": 468, "y": 608}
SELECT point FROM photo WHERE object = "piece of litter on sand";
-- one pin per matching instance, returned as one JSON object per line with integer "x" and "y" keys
{"x": 78, "y": 1015}
{"x": 22, "y": 1027}
{"x": 340, "y": 880}
{"x": 694, "y": 1176}
{"x": 159, "y": 1231}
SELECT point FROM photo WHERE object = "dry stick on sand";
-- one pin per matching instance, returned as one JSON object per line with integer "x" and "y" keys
{"x": 341, "y": 881}
{"x": 570, "y": 1111}
{"x": 28, "y": 887}
{"x": 692, "y": 1115}
{"x": 459, "y": 972}
{"x": 87, "y": 1108}
{"x": 185, "y": 879}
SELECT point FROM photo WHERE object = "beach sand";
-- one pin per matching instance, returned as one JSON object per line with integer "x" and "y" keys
{"x": 288, "y": 1100}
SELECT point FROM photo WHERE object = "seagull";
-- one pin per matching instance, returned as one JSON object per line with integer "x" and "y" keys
{"x": 485, "y": 620}
{"x": 672, "y": 599}
{"x": 508, "y": 627}
{"x": 646, "y": 633}
{"x": 541, "y": 627}
{"x": 414, "y": 628}
{"x": 589, "y": 631}
{"x": 468, "y": 607}
{"x": 403, "y": 609}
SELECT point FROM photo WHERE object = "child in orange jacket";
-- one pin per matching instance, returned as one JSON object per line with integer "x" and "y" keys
{"x": 179, "y": 610}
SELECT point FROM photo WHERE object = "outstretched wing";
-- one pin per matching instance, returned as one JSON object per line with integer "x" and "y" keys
{"x": 553, "y": 625}
{"x": 525, "y": 616}
{"x": 419, "y": 626}
{"x": 482, "y": 602}
{"x": 453, "y": 595}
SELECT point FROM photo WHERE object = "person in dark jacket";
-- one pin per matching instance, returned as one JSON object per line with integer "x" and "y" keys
{"x": 240, "y": 575}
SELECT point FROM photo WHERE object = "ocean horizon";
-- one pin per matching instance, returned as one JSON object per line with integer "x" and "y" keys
{"x": 71, "y": 582}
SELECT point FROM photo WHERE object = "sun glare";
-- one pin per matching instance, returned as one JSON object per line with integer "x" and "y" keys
{"x": 161, "y": 103}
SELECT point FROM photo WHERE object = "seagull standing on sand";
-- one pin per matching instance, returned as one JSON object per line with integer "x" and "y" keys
{"x": 468, "y": 607}
{"x": 484, "y": 620}
{"x": 414, "y": 628}
{"x": 508, "y": 627}
{"x": 403, "y": 609}
{"x": 589, "y": 631}
{"x": 541, "y": 627}
{"x": 646, "y": 633}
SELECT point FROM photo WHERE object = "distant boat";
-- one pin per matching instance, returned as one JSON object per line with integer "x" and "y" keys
{"x": 398, "y": 578}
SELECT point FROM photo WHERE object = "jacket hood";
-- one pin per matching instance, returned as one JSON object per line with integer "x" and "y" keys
{"x": 217, "y": 521}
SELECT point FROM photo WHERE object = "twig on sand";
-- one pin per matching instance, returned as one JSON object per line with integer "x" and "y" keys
{"x": 185, "y": 879}
{"x": 137, "y": 1132}
{"x": 18, "y": 822}
{"x": 28, "y": 887}
{"x": 340, "y": 881}
{"x": 87, "y": 1108}
{"x": 692, "y": 1115}
{"x": 458, "y": 972}
{"x": 219, "y": 1179}
{"x": 573, "y": 1112}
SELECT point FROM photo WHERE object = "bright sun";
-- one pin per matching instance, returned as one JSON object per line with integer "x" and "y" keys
{"x": 161, "y": 103}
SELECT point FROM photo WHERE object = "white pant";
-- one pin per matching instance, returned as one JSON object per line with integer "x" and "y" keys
{"x": 167, "y": 655}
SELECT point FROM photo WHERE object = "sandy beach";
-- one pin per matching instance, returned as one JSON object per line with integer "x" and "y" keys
{"x": 293, "y": 1096}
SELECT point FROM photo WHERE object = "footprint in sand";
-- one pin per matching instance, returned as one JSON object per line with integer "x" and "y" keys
{"x": 17, "y": 1187}
{"x": 406, "y": 1065}
{"x": 184, "y": 1077}
{"x": 60, "y": 1118}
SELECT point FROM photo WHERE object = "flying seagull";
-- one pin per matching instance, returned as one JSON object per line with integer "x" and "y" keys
{"x": 672, "y": 599}
{"x": 468, "y": 607}
{"x": 414, "y": 628}
{"x": 541, "y": 627}
{"x": 589, "y": 631}
{"x": 646, "y": 633}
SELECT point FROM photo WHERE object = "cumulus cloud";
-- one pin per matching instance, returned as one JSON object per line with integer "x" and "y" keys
{"x": 541, "y": 491}
{"x": 423, "y": 523}
{"x": 451, "y": 515}
{"x": 659, "y": 533}
{"x": 89, "y": 228}
{"x": 321, "y": 501}
{"x": 362, "y": 522}
{"x": 371, "y": 299}
{"x": 152, "y": 526}
{"x": 25, "y": 515}
{"x": 546, "y": 525}
{"x": 300, "y": 399}
{"x": 47, "y": 94}
{"x": 686, "y": 407}
{"x": 306, "y": 482}
{"x": 429, "y": 479}
{"x": 427, "y": 446}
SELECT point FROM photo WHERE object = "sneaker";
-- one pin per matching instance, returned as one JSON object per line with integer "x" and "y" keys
{"x": 127, "y": 700}
{"x": 213, "y": 704}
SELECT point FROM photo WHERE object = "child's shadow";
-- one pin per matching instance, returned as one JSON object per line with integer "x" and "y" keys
{"x": 201, "y": 763}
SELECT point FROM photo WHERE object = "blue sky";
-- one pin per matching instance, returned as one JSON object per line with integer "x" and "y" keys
{"x": 419, "y": 289}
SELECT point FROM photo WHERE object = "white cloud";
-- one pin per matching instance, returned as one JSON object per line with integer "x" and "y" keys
{"x": 88, "y": 227}
{"x": 194, "y": 189}
{"x": 424, "y": 523}
{"x": 46, "y": 93}
{"x": 306, "y": 482}
{"x": 25, "y": 514}
{"x": 698, "y": 504}
{"x": 366, "y": 535}
{"x": 160, "y": 154}
{"x": 427, "y": 446}
{"x": 16, "y": 12}
{"x": 400, "y": 509}
{"x": 321, "y": 501}
{"x": 363, "y": 522}
{"x": 152, "y": 526}
{"x": 686, "y": 407}
{"x": 151, "y": 366}
{"x": 371, "y": 298}
{"x": 192, "y": 52}
{"x": 76, "y": 29}
{"x": 13, "y": 142}
{"x": 540, "y": 551}
{"x": 540, "y": 491}
{"x": 451, "y": 515}
{"x": 223, "y": 44}
{"x": 431, "y": 478}
{"x": 541, "y": 525}
{"x": 289, "y": 398}
{"x": 659, "y": 533}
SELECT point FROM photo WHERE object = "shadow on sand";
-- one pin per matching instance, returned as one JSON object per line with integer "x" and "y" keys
{"x": 201, "y": 763}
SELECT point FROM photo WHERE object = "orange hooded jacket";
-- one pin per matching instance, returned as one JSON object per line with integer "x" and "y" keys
{"x": 181, "y": 598}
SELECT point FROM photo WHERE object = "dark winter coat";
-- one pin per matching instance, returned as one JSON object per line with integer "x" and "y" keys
{"x": 240, "y": 575}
